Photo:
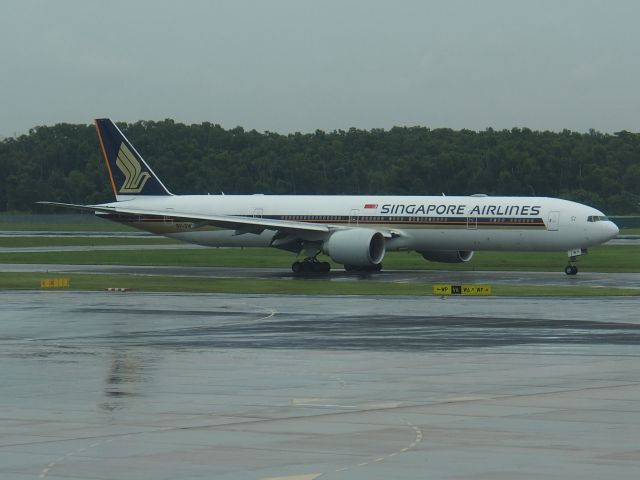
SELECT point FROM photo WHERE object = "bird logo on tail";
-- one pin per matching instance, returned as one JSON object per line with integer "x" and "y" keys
{"x": 135, "y": 178}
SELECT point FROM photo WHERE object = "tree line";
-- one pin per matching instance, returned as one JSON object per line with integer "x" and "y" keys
{"x": 63, "y": 163}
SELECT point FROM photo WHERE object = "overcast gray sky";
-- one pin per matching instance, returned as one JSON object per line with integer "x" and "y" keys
{"x": 298, "y": 65}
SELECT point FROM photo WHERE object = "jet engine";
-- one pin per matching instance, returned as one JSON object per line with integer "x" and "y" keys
{"x": 448, "y": 256}
{"x": 360, "y": 247}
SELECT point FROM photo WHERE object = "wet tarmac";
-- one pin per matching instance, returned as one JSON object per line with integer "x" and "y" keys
{"x": 175, "y": 246}
{"x": 590, "y": 279}
{"x": 166, "y": 386}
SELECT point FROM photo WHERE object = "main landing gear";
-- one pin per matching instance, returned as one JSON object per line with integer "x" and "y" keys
{"x": 572, "y": 268}
{"x": 310, "y": 265}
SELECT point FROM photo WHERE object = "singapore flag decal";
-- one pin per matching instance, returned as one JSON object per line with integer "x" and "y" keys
{"x": 370, "y": 205}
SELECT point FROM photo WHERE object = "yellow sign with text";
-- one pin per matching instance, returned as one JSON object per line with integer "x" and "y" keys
{"x": 55, "y": 283}
{"x": 475, "y": 290}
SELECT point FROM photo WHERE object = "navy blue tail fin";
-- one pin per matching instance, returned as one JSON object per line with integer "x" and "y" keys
{"x": 130, "y": 175}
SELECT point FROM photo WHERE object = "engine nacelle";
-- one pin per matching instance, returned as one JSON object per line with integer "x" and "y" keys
{"x": 448, "y": 256}
{"x": 360, "y": 247}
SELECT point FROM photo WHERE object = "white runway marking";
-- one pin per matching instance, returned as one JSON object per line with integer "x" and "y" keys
{"x": 418, "y": 439}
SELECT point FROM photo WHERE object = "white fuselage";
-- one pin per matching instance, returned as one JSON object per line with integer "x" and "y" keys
{"x": 418, "y": 223}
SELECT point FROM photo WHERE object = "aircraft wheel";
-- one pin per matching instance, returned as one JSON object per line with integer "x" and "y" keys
{"x": 310, "y": 267}
{"x": 574, "y": 270}
{"x": 571, "y": 270}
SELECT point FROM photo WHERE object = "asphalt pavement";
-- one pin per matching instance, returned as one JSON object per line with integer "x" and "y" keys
{"x": 165, "y": 386}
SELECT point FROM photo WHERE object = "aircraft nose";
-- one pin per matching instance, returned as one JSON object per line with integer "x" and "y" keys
{"x": 613, "y": 230}
{"x": 608, "y": 230}
{"x": 604, "y": 231}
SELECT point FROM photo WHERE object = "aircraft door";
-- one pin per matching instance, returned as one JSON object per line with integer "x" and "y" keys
{"x": 554, "y": 221}
{"x": 472, "y": 223}
{"x": 353, "y": 216}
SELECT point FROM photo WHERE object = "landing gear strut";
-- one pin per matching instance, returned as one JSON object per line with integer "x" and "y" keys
{"x": 572, "y": 268}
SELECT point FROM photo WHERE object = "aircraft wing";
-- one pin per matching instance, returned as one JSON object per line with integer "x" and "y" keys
{"x": 232, "y": 222}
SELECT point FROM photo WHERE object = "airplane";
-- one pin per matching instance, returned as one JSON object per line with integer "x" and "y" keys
{"x": 353, "y": 230}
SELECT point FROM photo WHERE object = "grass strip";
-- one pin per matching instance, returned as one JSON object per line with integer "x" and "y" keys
{"x": 606, "y": 258}
{"x": 30, "y": 242}
{"x": 97, "y": 282}
{"x": 98, "y": 225}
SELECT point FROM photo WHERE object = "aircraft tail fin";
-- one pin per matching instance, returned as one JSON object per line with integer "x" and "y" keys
{"x": 129, "y": 173}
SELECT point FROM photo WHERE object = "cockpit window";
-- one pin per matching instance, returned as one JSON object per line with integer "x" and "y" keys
{"x": 597, "y": 218}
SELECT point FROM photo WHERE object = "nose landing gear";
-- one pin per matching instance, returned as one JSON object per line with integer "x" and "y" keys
{"x": 573, "y": 255}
